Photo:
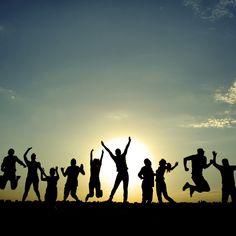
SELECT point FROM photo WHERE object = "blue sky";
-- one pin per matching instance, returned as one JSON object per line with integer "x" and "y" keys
{"x": 73, "y": 73}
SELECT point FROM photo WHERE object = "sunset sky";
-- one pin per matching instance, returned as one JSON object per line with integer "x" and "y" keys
{"x": 73, "y": 73}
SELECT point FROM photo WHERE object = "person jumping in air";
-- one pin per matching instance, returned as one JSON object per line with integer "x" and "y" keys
{"x": 199, "y": 163}
{"x": 9, "y": 170}
{"x": 94, "y": 181}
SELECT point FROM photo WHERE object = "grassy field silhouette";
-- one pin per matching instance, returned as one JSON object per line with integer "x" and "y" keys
{"x": 117, "y": 218}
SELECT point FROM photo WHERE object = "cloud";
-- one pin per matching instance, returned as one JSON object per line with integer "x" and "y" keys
{"x": 212, "y": 10}
{"x": 9, "y": 93}
{"x": 216, "y": 123}
{"x": 1, "y": 28}
{"x": 117, "y": 115}
{"x": 224, "y": 119}
{"x": 229, "y": 97}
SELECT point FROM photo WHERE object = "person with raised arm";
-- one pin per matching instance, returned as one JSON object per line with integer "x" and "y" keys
{"x": 51, "y": 189}
{"x": 122, "y": 170}
{"x": 32, "y": 175}
{"x": 161, "y": 188}
{"x": 94, "y": 181}
{"x": 227, "y": 179}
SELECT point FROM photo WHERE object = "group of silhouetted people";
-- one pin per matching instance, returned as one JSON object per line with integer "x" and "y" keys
{"x": 149, "y": 177}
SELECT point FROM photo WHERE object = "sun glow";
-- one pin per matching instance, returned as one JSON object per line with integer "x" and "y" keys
{"x": 136, "y": 154}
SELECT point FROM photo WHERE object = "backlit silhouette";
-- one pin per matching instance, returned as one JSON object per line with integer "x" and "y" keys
{"x": 161, "y": 188}
{"x": 147, "y": 175}
{"x": 94, "y": 181}
{"x": 122, "y": 170}
{"x": 227, "y": 178}
{"x": 9, "y": 170}
{"x": 32, "y": 176}
{"x": 199, "y": 162}
{"x": 51, "y": 189}
{"x": 72, "y": 172}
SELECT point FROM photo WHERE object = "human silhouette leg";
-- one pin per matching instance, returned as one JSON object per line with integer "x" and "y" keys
{"x": 3, "y": 182}
{"x": 91, "y": 192}
{"x": 27, "y": 188}
{"x": 165, "y": 194}
{"x": 14, "y": 182}
{"x": 159, "y": 194}
{"x": 125, "y": 186}
{"x": 73, "y": 194}
{"x": 116, "y": 185}
{"x": 66, "y": 192}
{"x": 186, "y": 186}
{"x": 36, "y": 189}
{"x": 233, "y": 195}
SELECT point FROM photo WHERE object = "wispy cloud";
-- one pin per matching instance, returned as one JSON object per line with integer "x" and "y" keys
{"x": 225, "y": 119}
{"x": 228, "y": 97}
{"x": 212, "y": 10}
{"x": 117, "y": 115}
{"x": 9, "y": 93}
{"x": 216, "y": 123}
{"x": 1, "y": 28}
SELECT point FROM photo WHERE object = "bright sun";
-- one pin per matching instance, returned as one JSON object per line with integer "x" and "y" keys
{"x": 136, "y": 154}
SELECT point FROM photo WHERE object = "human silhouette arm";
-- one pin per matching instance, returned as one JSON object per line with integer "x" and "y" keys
{"x": 63, "y": 171}
{"x": 56, "y": 172}
{"x": 127, "y": 146}
{"x": 207, "y": 165}
{"x": 25, "y": 155}
{"x": 186, "y": 159}
{"x": 175, "y": 165}
{"x": 3, "y": 165}
{"x": 101, "y": 157}
{"x": 82, "y": 169}
{"x": 107, "y": 149}
{"x": 43, "y": 175}
{"x": 91, "y": 156}
{"x": 214, "y": 154}
{"x": 140, "y": 173}
{"x": 20, "y": 162}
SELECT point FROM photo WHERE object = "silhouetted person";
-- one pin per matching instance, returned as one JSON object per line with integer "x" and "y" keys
{"x": 32, "y": 175}
{"x": 8, "y": 168}
{"x": 199, "y": 162}
{"x": 122, "y": 170}
{"x": 51, "y": 189}
{"x": 94, "y": 181}
{"x": 147, "y": 175}
{"x": 227, "y": 178}
{"x": 161, "y": 188}
{"x": 72, "y": 172}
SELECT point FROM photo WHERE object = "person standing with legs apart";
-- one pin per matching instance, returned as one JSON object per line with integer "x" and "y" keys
{"x": 122, "y": 170}
{"x": 32, "y": 176}
{"x": 161, "y": 188}
{"x": 72, "y": 172}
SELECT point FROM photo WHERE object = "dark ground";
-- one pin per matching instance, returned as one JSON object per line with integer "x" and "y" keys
{"x": 103, "y": 218}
